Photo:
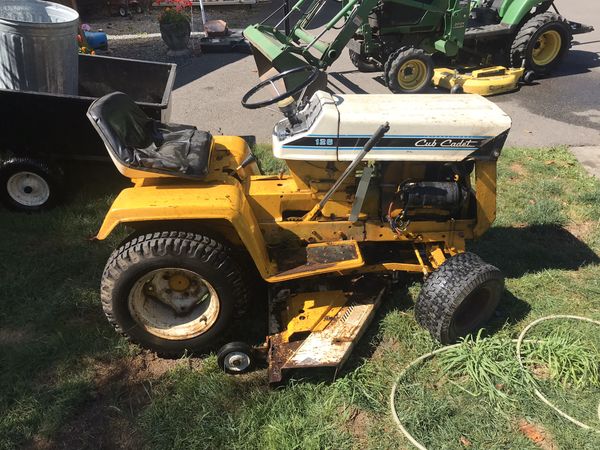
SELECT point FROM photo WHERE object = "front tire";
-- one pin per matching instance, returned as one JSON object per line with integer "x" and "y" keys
{"x": 361, "y": 64}
{"x": 459, "y": 297}
{"x": 542, "y": 43}
{"x": 172, "y": 292}
{"x": 408, "y": 71}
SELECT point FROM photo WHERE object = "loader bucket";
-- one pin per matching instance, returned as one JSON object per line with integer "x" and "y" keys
{"x": 272, "y": 55}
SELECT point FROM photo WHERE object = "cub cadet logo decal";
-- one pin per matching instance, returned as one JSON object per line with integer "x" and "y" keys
{"x": 469, "y": 143}
{"x": 391, "y": 143}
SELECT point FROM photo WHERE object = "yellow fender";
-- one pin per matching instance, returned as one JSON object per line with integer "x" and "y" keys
{"x": 207, "y": 202}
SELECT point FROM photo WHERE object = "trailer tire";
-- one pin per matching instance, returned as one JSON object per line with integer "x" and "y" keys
{"x": 408, "y": 70}
{"x": 172, "y": 292}
{"x": 459, "y": 297}
{"x": 29, "y": 184}
{"x": 361, "y": 64}
{"x": 542, "y": 42}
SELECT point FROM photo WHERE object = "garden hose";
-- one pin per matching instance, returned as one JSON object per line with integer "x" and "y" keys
{"x": 541, "y": 396}
{"x": 519, "y": 341}
{"x": 420, "y": 359}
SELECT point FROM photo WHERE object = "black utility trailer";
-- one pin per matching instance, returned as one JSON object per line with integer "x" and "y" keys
{"x": 40, "y": 132}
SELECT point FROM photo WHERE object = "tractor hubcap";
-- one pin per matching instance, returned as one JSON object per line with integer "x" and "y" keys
{"x": 412, "y": 75}
{"x": 547, "y": 48}
{"x": 28, "y": 189}
{"x": 174, "y": 304}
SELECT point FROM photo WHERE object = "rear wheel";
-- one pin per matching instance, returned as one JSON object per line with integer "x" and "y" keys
{"x": 409, "y": 71}
{"x": 542, "y": 43}
{"x": 361, "y": 63}
{"x": 172, "y": 292}
{"x": 459, "y": 297}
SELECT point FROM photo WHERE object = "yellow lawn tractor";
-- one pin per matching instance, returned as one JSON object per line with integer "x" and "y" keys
{"x": 377, "y": 184}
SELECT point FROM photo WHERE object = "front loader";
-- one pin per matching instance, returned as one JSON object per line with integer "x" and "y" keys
{"x": 408, "y": 39}
{"x": 378, "y": 185}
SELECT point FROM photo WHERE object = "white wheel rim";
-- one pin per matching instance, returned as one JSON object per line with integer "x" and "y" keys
{"x": 28, "y": 189}
{"x": 174, "y": 304}
{"x": 236, "y": 362}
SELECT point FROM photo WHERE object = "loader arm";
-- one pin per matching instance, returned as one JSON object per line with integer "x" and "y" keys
{"x": 274, "y": 49}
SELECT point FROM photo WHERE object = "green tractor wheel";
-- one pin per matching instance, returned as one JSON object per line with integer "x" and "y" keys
{"x": 361, "y": 63}
{"x": 408, "y": 71}
{"x": 541, "y": 43}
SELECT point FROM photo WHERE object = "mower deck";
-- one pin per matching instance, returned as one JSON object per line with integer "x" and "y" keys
{"x": 319, "y": 328}
{"x": 489, "y": 81}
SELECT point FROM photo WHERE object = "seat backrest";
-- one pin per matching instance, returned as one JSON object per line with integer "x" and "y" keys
{"x": 122, "y": 125}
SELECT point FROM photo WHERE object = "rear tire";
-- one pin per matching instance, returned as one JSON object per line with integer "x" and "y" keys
{"x": 29, "y": 185}
{"x": 459, "y": 297}
{"x": 361, "y": 64}
{"x": 542, "y": 42}
{"x": 172, "y": 292}
{"x": 408, "y": 71}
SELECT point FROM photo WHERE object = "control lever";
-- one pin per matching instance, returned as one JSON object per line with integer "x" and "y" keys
{"x": 372, "y": 142}
{"x": 246, "y": 162}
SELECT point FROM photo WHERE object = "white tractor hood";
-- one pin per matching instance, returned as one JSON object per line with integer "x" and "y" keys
{"x": 423, "y": 127}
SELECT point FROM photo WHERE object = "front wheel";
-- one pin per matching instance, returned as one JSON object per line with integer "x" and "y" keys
{"x": 408, "y": 71}
{"x": 172, "y": 292}
{"x": 361, "y": 63}
{"x": 459, "y": 297}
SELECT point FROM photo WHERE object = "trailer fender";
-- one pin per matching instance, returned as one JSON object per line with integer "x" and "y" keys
{"x": 218, "y": 202}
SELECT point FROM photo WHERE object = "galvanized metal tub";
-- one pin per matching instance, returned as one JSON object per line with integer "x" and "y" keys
{"x": 38, "y": 46}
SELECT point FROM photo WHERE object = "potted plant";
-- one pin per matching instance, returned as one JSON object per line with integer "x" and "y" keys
{"x": 175, "y": 26}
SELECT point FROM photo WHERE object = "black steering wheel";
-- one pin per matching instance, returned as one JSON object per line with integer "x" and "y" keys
{"x": 313, "y": 73}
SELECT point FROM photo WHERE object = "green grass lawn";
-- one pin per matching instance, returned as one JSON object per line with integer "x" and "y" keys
{"x": 67, "y": 380}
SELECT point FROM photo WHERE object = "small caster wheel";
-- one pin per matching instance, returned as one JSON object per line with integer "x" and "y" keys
{"x": 123, "y": 11}
{"x": 139, "y": 10}
{"x": 236, "y": 358}
{"x": 457, "y": 89}
{"x": 529, "y": 77}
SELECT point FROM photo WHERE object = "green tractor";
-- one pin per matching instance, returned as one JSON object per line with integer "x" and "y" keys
{"x": 407, "y": 39}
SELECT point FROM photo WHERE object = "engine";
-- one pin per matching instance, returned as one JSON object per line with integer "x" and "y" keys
{"x": 435, "y": 192}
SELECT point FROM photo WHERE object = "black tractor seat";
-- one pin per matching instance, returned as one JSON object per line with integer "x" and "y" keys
{"x": 142, "y": 143}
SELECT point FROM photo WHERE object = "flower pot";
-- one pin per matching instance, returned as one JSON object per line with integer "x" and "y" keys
{"x": 176, "y": 35}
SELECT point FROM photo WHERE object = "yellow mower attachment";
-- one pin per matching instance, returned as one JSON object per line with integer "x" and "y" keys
{"x": 489, "y": 81}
